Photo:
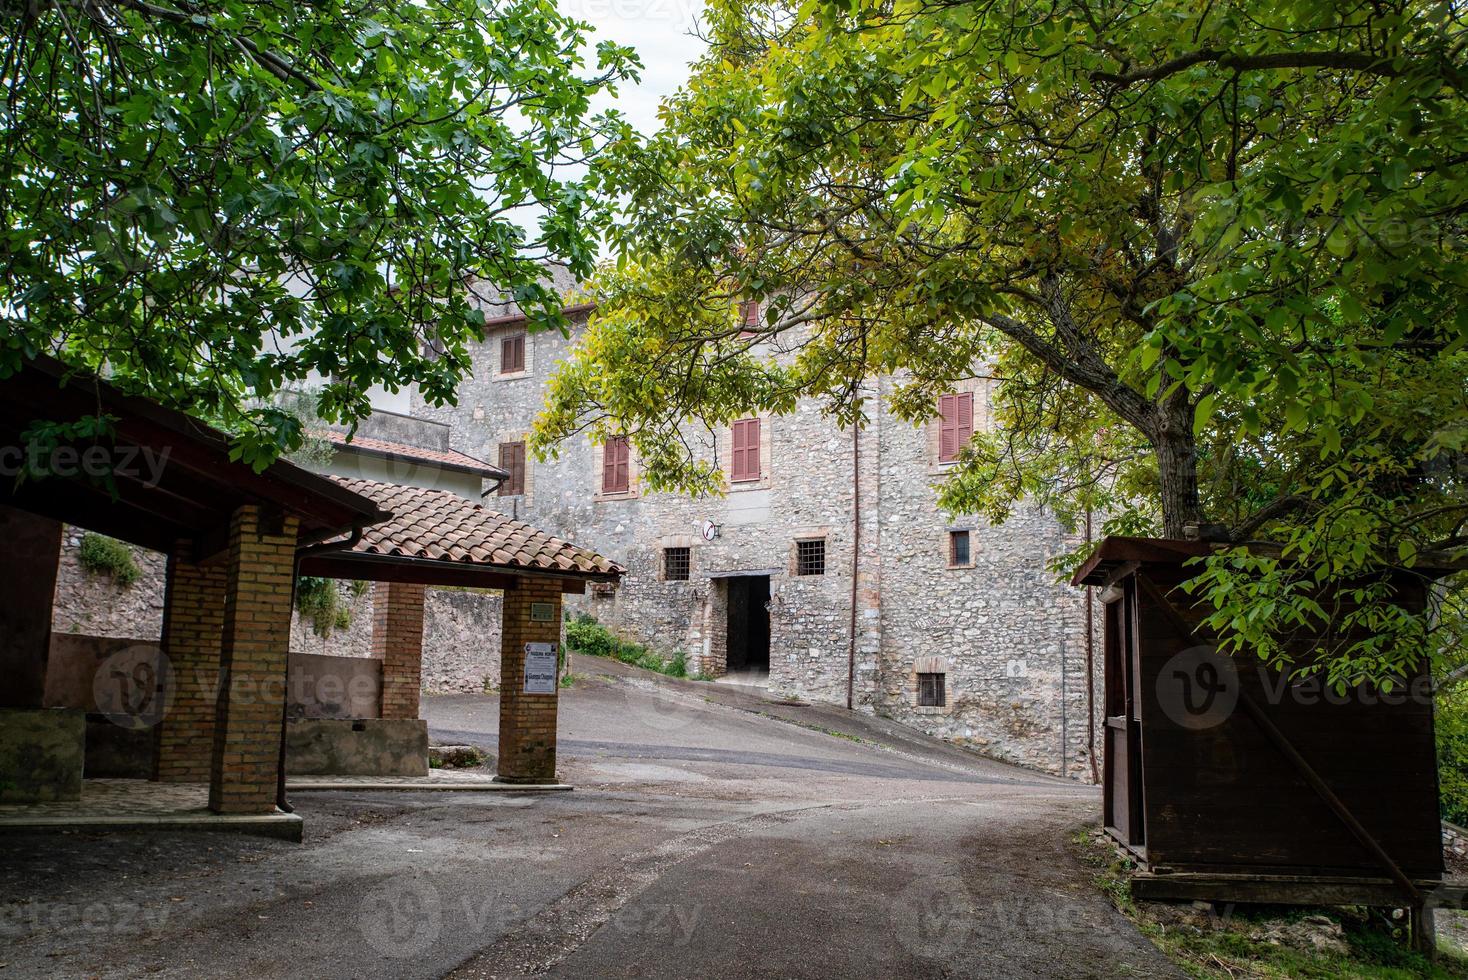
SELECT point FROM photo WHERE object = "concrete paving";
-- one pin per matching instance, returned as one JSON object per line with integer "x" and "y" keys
{"x": 711, "y": 833}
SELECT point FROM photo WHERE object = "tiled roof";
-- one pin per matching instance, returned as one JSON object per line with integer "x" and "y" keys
{"x": 451, "y": 458}
{"x": 439, "y": 525}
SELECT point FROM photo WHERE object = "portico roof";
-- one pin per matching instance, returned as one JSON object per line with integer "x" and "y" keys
{"x": 436, "y": 537}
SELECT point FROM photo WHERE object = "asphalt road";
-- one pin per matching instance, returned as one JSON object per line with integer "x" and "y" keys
{"x": 710, "y": 834}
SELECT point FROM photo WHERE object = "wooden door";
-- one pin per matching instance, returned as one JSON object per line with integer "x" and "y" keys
{"x": 1123, "y": 728}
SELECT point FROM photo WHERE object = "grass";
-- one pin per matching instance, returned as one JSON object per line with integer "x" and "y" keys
{"x": 585, "y": 635}
{"x": 1254, "y": 941}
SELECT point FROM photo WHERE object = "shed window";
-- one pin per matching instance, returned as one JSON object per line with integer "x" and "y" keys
{"x": 932, "y": 692}
{"x": 512, "y": 460}
{"x": 512, "y": 353}
{"x": 956, "y": 424}
{"x": 744, "y": 451}
{"x": 810, "y": 557}
{"x": 676, "y": 564}
{"x": 959, "y": 553}
{"x": 616, "y": 475}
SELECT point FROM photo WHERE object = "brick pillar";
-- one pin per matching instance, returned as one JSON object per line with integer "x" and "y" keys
{"x": 527, "y": 721}
{"x": 27, "y": 593}
{"x": 397, "y": 637}
{"x": 193, "y": 625}
{"x": 260, "y": 574}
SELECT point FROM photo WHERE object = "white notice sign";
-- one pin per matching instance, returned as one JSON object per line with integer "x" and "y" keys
{"x": 540, "y": 668}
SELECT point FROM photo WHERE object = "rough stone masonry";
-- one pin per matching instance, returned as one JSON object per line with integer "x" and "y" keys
{"x": 1008, "y": 639}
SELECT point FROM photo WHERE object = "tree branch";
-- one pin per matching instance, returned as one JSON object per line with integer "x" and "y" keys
{"x": 1344, "y": 60}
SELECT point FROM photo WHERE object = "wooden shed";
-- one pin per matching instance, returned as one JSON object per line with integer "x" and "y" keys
{"x": 1230, "y": 781}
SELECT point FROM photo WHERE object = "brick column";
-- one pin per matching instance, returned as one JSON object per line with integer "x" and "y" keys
{"x": 193, "y": 625}
{"x": 527, "y": 721}
{"x": 260, "y": 574}
{"x": 397, "y": 637}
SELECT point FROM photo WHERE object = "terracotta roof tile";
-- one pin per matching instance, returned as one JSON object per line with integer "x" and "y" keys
{"x": 440, "y": 525}
{"x": 381, "y": 447}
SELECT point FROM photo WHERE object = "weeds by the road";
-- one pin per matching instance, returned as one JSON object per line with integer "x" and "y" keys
{"x": 585, "y": 635}
{"x": 1264, "y": 940}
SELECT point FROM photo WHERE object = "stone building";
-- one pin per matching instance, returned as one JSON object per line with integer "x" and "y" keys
{"x": 827, "y": 571}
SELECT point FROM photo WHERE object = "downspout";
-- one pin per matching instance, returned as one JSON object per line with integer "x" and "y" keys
{"x": 1091, "y": 668}
{"x": 855, "y": 561}
{"x": 320, "y": 547}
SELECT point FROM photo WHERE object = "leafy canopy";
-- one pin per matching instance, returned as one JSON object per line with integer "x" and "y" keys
{"x": 1212, "y": 252}
{"x": 216, "y": 201}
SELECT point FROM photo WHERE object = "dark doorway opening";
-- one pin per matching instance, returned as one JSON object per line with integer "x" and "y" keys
{"x": 749, "y": 624}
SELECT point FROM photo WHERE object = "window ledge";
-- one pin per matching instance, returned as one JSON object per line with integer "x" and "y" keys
{"x": 512, "y": 376}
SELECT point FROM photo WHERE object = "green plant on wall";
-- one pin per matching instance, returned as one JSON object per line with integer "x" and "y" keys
{"x": 321, "y": 601}
{"x": 101, "y": 555}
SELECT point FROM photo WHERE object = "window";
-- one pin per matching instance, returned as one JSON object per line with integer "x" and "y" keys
{"x": 931, "y": 690}
{"x": 744, "y": 451}
{"x": 956, "y": 424}
{"x": 676, "y": 564}
{"x": 512, "y": 460}
{"x": 749, "y": 316}
{"x": 810, "y": 557}
{"x": 616, "y": 473}
{"x": 512, "y": 353}
{"x": 959, "y": 553}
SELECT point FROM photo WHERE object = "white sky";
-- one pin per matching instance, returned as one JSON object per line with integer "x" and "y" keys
{"x": 659, "y": 30}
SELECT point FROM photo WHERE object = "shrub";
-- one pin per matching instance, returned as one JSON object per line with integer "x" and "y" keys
{"x": 320, "y": 600}
{"x": 1452, "y": 752}
{"x": 101, "y": 555}
{"x": 585, "y": 635}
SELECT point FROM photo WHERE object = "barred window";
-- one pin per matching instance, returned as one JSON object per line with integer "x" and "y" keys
{"x": 676, "y": 564}
{"x": 810, "y": 557}
{"x": 931, "y": 690}
{"x": 959, "y": 553}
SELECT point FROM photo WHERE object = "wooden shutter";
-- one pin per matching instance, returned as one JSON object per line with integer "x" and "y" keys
{"x": 512, "y": 353}
{"x": 616, "y": 473}
{"x": 744, "y": 451}
{"x": 956, "y": 424}
{"x": 512, "y": 460}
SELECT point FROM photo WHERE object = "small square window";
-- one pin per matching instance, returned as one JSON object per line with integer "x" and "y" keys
{"x": 512, "y": 353}
{"x": 810, "y": 557}
{"x": 932, "y": 692}
{"x": 960, "y": 554}
{"x": 676, "y": 564}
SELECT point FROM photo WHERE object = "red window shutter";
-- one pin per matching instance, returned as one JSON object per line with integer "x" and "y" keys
{"x": 955, "y": 426}
{"x": 965, "y": 418}
{"x": 751, "y": 313}
{"x": 512, "y": 353}
{"x": 615, "y": 466}
{"x": 744, "y": 451}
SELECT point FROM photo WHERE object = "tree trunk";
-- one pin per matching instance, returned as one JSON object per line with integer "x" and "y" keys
{"x": 1177, "y": 470}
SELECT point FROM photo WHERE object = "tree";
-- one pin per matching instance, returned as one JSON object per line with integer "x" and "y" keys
{"x": 209, "y": 202}
{"x": 1212, "y": 252}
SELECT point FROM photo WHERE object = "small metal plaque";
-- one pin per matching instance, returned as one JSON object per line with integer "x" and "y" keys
{"x": 542, "y": 612}
{"x": 540, "y": 668}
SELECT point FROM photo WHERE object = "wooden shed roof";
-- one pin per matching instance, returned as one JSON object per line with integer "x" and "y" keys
{"x": 165, "y": 475}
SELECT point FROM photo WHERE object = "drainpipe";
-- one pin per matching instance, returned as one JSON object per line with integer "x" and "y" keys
{"x": 1091, "y": 668}
{"x": 855, "y": 561}
{"x": 320, "y": 547}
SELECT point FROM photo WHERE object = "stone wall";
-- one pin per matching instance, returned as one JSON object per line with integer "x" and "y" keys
{"x": 91, "y": 603}
{"x": 1009, "y": 637}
